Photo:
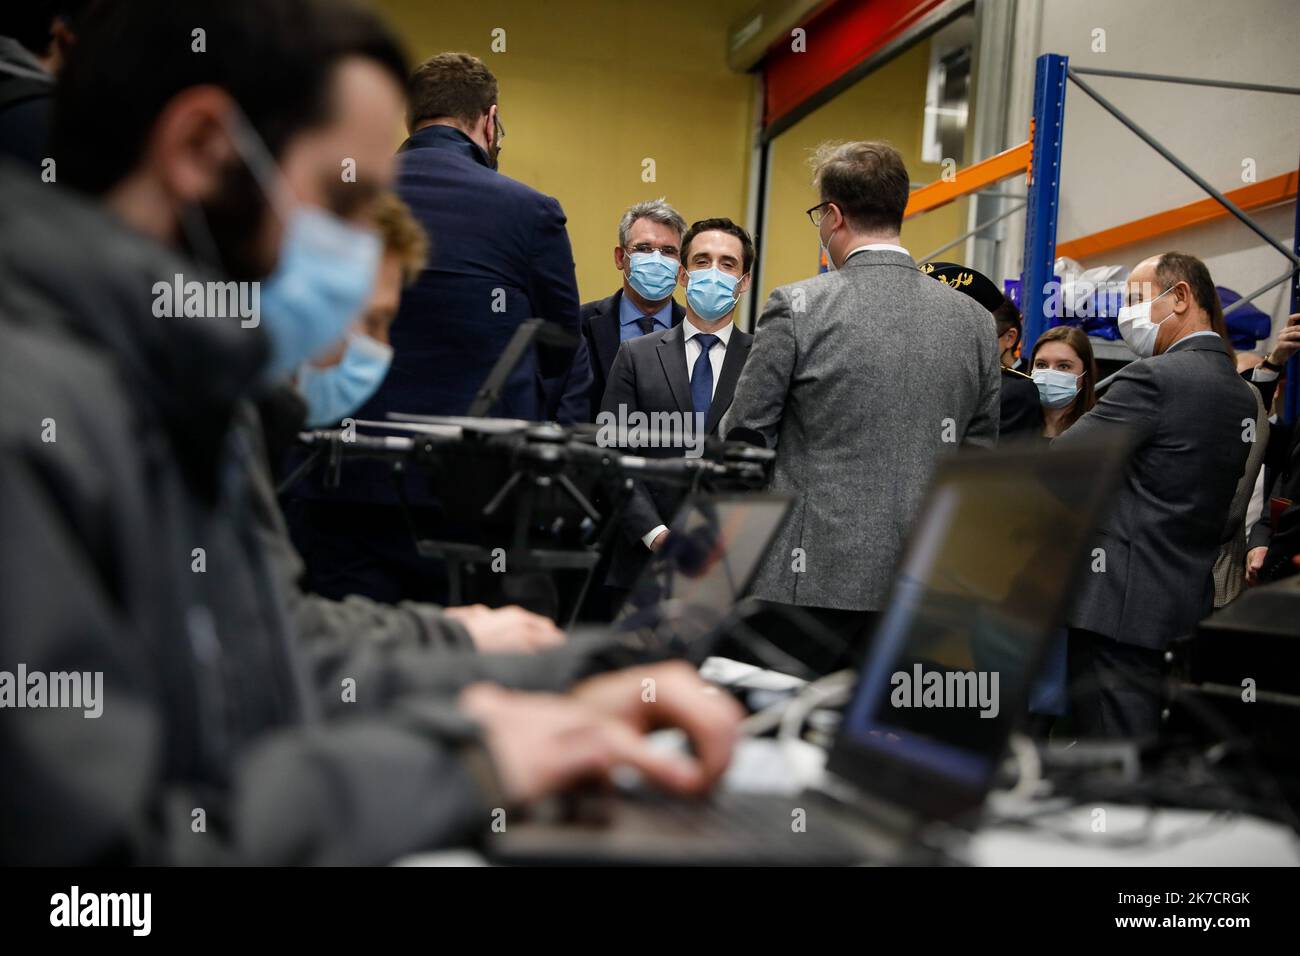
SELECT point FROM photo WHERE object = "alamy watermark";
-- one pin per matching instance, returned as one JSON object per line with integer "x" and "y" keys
{"x": 77, "y": 909}
{"x": 177, "y": 298}
{"x": 73, "y": 690}
{"x": 636, "y": 429}
{"x": 946, "y": 689}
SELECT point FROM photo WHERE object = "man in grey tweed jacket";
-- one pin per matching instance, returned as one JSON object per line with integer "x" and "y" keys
{"x": 861, "y": 378}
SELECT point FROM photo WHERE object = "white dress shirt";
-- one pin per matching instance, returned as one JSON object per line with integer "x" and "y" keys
{"x": 717, "y": 355}
{"x": 880, "y": 246}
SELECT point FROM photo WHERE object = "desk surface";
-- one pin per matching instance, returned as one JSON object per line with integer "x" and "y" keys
{"x": 1068, "y": 837}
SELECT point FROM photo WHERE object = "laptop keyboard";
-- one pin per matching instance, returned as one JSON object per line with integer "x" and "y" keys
{"x": 753, "y": 827}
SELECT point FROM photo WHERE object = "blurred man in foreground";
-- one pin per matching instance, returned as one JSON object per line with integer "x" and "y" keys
{"x": 132, "y": 553}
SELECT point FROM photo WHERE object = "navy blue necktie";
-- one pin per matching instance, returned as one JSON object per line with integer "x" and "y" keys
{"x": 646, "y": 324}
{"x": 702, "y": 375}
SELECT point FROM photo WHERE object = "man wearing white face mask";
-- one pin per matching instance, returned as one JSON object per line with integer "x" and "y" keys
{"x": 1189, "y": 413}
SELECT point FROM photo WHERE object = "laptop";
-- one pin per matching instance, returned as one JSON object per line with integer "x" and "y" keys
{"x": 688, "y": 590}
{"x": 979, "y": 595}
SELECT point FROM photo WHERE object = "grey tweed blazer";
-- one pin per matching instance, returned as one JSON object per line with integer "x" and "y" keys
{"x": 861, "y": 379}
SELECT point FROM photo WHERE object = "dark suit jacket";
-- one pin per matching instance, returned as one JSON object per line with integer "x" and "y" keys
{"x": 1281, "y": 480}
{"x": 1021, "y": 409}
{"x": 649, "y": 375}
{"x": 600, "y": 330}
{"x": 1186, "y": 409}
{"x": 499, "y": 254}
{"x": 568, "y": 397}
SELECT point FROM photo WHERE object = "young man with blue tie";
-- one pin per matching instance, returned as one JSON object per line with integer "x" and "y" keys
{"x": 688, "y": 372}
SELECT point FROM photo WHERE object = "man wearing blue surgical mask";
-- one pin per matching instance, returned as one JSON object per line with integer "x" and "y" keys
{"x": 647, "y": 257}
{"x": 134, "y": 544}
{"x": 686, "y": 373}
{"x": 211, "y": 167}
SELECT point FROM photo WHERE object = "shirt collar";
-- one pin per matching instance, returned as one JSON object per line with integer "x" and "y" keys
{"x": 628, "y": 313}
{"x": 878, "y": 247}
{"x": 1195, "y": 334}
{"x": 690, "y": 331}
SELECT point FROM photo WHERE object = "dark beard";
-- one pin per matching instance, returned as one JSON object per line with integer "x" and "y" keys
{"x": 228, "y": 228}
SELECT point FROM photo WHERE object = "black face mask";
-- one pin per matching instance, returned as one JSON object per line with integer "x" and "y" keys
{"x": 498, "y": 134}
{"x": 223, "y": 231}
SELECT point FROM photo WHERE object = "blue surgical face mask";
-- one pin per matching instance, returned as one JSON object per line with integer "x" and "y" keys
{"x": 1056, "y": 389}
{"x": 653, "y": 275}
{"x": 326, "y": 269}
{"x": 335, "y": 392}
{"x": 711, "y": 293}
{"x": 324, "y": 278}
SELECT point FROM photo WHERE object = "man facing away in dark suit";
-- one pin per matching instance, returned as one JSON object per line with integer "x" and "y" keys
{"x": 688, "y": 373}
{"x": 1149, "y": 579}
{"x": 499, "y": 255}
{"x": 648, "y": 256}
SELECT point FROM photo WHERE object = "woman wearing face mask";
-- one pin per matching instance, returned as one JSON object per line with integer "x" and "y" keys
{"x": 1064, "y": 371}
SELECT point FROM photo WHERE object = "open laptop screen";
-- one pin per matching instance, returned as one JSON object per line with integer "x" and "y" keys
{"x": 712, "y": 551}
{"x": 978, "y": 598}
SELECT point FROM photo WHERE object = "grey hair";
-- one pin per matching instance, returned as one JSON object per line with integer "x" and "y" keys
{"x": 656, "y": 210}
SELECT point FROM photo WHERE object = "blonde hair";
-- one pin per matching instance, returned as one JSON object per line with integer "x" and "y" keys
{"x": 401, "y": 235}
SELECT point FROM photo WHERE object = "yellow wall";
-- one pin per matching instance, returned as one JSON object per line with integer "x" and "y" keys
{"x": 591, "y": 88}
{"x": 888, "y": 104}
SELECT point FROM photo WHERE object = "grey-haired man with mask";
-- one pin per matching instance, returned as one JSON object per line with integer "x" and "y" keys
{"x": 648, "y": 256}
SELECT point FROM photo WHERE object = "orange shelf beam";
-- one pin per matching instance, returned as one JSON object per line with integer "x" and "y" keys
{"x": 1270, "y": 192}
{"x": 986, "y": 172}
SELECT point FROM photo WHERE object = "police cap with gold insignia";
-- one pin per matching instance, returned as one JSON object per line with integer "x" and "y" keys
{"x": 975, "y": 284}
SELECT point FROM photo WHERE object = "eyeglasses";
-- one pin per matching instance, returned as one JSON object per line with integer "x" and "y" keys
{"x": 817, "y": 220}
{"x": 668, "y": 252}
{"x": 501, "y": 130}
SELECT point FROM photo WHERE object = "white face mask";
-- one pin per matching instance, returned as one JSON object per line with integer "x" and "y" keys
{"x": 826, "y": 249}
{"x": 1136, "y": 327}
